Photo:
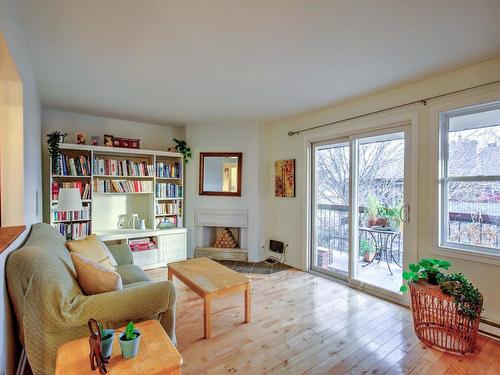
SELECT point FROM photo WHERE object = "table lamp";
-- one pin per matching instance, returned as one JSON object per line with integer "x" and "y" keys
{"x": 69, "y": 200}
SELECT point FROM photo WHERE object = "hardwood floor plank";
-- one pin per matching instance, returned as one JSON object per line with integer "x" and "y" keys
{"x": 304, "y": 324}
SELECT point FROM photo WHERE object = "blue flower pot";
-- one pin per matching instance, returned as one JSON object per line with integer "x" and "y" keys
{"x": 107, "y": 344}
{"x": 130, "y": 347}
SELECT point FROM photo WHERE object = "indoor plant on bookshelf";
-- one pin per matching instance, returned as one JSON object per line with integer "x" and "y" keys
{"x": 446, "y": 308}
{"x": 53, "y": 140}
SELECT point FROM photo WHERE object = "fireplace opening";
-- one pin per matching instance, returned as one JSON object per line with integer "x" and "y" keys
{"x": 225, "y": 238}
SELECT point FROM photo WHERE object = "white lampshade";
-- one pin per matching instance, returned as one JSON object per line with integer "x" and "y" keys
{"x": 69, "y": 200}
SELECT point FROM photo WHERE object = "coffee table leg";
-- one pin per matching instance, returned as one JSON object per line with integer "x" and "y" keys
{"x": 207, "y": 321}
{"x": 247, "y": 303}
{"x": 170, "y": 274}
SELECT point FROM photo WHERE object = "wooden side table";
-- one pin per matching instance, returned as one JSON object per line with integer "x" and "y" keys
{"x": 157, "y": 355}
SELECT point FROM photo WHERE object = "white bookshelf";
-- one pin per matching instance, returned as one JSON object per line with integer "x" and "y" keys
{"x": 104, "y": 207}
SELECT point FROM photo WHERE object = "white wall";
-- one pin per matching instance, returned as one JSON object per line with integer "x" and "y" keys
{"x": 287, "y": 216}
{"x": 10, "y": 27}
{"x": 247, "y": 139}
{"x": 153, "y": 137}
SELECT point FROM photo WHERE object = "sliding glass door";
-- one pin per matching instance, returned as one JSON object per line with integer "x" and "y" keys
{"x": 331, "y": 208}
{"x": 359, "y": 197}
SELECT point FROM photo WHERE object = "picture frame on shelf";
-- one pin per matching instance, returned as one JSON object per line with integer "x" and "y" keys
{"x": 80, "y": 138}
{"x": 109, "y": 140}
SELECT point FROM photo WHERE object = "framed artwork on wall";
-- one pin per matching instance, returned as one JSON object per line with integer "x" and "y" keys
{"x": 284, "y": 178}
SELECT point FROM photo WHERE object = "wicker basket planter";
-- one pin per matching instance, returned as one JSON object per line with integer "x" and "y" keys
{"x": 437, "y": 321}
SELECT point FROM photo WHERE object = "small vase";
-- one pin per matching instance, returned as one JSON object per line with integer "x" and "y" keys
{"x": 129, "y": 347}
{"x": 107, "y": 344}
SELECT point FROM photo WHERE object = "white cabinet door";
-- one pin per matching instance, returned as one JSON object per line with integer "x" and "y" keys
{"x": 172, "y": 247}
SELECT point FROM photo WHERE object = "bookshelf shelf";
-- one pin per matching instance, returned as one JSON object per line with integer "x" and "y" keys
{"x": 107, "y": 163}
{"x": 122, "y": 177}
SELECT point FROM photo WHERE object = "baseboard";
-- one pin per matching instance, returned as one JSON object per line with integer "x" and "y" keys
{"x": 489, "y": 329}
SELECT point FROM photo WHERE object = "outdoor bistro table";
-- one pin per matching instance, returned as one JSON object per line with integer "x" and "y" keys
{"x": 384, "y": 239}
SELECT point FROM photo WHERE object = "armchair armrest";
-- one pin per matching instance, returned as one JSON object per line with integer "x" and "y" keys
{"x": 134, "y": 303}
{"x": 121, "y": 253}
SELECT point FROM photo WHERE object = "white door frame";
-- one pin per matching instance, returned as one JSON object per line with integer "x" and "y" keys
{"x": 386, "y": 123}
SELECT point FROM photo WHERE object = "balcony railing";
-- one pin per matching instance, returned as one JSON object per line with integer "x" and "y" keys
{"x": 333, "y": 229}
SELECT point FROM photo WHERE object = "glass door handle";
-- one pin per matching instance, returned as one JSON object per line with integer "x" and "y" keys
{"x": 404, "y": 213}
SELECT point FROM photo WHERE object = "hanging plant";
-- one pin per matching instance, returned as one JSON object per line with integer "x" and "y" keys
{"x": 53, "y": 140}
{"x": 182, "y": 147}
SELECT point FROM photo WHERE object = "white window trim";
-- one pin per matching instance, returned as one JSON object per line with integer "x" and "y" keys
{"x": 445, "y": 247}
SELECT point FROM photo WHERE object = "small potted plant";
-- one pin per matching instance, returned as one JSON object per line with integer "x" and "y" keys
{"x": 107, "y": 336}
{"x": 53, "y": 141}
{"x": 129, "y": 341}
{"x": 427, "y": 269}
{"x": 366, "y": 250}
{"x": 182, "y": 147}
{"x": 372, "y": 210}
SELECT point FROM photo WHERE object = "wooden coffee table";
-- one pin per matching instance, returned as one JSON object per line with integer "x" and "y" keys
{"x": 157, "y": 355}
{"x": 210, "y": 279}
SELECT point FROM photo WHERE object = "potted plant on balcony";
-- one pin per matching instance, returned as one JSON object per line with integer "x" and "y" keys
{"x": 372, "y": 210}
{"x": 366, "y": 250}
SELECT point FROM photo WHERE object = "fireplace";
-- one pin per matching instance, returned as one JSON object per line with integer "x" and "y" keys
{"x": 210, "y": 226}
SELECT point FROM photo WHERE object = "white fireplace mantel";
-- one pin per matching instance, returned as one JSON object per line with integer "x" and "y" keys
{"x": 231, "y": 218}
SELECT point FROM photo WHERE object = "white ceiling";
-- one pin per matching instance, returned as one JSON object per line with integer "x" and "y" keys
{"x": 242, "y": 61}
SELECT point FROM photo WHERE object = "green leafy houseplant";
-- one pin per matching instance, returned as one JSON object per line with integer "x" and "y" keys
{"x": 129, "y": 341}
{"x": 182, "y": 147}
{"x": 467, "y": 298}
{"x": 366, "y": 248}
{"x": 53, "y": 141}
{"x": 372, "y": 209}
{"x": 426, "y": 268}
{"x": 104, "y": 333}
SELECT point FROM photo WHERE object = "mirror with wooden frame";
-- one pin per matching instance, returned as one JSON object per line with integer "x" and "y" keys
{"x": 220, "y": 173}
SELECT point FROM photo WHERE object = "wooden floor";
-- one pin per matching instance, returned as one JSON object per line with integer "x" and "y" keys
{"x": 303, "y": 324}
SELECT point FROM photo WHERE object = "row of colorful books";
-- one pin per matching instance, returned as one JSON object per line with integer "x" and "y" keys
{"x": 74, "y": 166}
{"x": 71, "y": 215}
{"x": 168, "y": 190}
{"x": 112, "y": 167}
{"x": 73, "y": 231}
{"x": 142, "y": 244}
{"x": 168, "y": 170}
{"x": 169, "y": 208}
{"x": 85, "y": 191}
{"x": 123, "y": 186}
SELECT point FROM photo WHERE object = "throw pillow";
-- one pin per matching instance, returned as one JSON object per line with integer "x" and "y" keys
{"x": 95, "y": 278}
{"x": 94, "y": 249}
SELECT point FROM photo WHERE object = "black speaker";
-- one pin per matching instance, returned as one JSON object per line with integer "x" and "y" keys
{"x": 276, "y": 246}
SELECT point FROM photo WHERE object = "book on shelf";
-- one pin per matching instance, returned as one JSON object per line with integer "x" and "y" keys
{"x": 168, "y": 190}
{"x": 74, "y": 166}
{"x": 123, "y": 186}
{"x": 127, "y": 168}
{"x": 84, "y": 188}
{"x": 168, "y": 170}
{"x": 71, "y": 215}
{"x": 73, "y": 231}
{"x": 174, "y": 208}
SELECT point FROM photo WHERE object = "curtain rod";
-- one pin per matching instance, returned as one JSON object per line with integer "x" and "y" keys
{"x": 420, "y": 101}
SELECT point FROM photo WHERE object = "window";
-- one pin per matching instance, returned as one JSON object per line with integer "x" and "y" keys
{"x": 470, "y": 179}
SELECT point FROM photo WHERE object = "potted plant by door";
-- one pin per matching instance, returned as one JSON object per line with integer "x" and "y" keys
{"x": 129, "y": 341}
{"x": 446, "y": 308}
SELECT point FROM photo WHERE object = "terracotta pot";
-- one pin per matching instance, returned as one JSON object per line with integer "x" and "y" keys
{"x": 382, "y": 222}
{"x": 371, "y": 222}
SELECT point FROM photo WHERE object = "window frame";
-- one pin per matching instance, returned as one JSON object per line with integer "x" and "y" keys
{"x": 444, "y": 179}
